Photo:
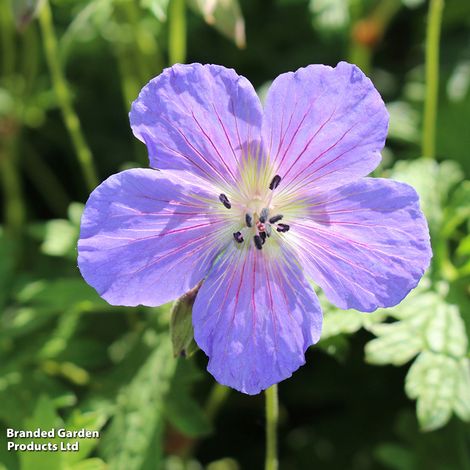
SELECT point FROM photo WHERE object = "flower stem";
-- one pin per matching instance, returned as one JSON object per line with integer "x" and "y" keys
{"x": 432, "y": 77}
{"x": 177, "y": 31}
{"x": 11, "y": 182}
{"x": 72, "y": 123}
{"x": 272, "y": 414}
{"x": 218, "y": 395}
{"x": 7, "y": 39}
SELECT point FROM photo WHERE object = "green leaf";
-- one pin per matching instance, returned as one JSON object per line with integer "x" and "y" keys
{"x": 89, "y": 464}
{"x": 329, "y": 15}
{"x": 91, "y": 421}
{"x": 20, "y": 387}
{"x": 462, "y": 398}
{"x": 432, "y": 380}
{"x": 181, "y": 409}
{"x": 70, "y": 292}
{"x": 61, "y": 235}
{"x": 140, "y": 409}
{"x": 432, "y": 181}
{"x": 433, "y": 329}
{"x": 445, "y": 332}
{"x": 336, "y": 321}
{"x": 45, "y": 418}
{"x": 87, "y": 23}
{"x": 395, "y": 456}
{"x": 404, "y": 122}
{"x": 464, "y": 246}
{"x": 225, "y": 16}
{"x": 60, "y": 238}
{"x": 159, "y": 8}
{"x": 458, "y": 209}
{"x": 397, "y": 343}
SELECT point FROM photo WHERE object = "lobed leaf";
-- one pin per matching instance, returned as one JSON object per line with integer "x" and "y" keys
{"x": 432, "y": 380}
{"x": 397, "y": 343}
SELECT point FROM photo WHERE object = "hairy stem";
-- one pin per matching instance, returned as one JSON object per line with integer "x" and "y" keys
{"x": 432, "y": 78}
{"x": 272, "y": 415}
{"x": 72, "y": 123}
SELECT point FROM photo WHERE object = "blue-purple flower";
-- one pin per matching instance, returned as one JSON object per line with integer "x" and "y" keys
{"x": 256, "y": 203}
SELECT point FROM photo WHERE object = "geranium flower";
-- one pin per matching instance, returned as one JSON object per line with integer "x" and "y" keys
{"x": 254, "y": 203}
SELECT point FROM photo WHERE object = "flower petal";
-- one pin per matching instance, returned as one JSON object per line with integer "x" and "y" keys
{"x": 200, "y": 118}
{"x": 324, "y": 126}
{"x": 147, "y": 237}
{"x": 366, "y": 244}
{"x": 254, "y": 317}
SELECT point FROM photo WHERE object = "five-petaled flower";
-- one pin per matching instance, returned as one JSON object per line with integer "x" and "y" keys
{"x": 256, "y": 202}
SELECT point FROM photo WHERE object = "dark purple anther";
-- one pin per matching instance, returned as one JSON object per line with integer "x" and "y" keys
{"x": 282, "y": 228}
{"x": 264, "y": 215}
{"x": 224, "y": 200}
{"x": 238, "y": 237}
{"x": 258, "y": 242}
{"x": 263, "y": 237}
{"x": 248, "y": 220}
{"x": 275, "y": 182}
{"x": 275, "y": 219}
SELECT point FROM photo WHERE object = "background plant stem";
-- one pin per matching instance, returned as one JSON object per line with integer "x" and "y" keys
{"x": 433, "y": 33}
{"x": 272, "y": 415}
{"x": 72, "y": 123}
{"x": 11, "y": 182}
{"x": 14, "y": 209}
{"x": 177, "y": 31}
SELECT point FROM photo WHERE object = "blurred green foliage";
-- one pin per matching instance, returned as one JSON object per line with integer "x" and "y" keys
{"x": 68, "y": 359}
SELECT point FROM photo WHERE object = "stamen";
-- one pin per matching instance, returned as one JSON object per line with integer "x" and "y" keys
{"x": 224, "y": 200}
{"x": 262, "y": 235}
{"x": 264, "y": 215}
{"x": 282, "y": 227}
{"x": 258, "y": 242}
{"x": 268, "y": 230}
{"x": 275, "y": 182}
{"x": 275, "y": 219}
{"x": 248, "y": 220}
{"x": 238, "y": 237}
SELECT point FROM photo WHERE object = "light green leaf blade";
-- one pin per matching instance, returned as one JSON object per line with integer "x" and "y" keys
{"x": 45, "y": 418}
{"x": 462, "y": 398}
{"x": 432, "y": 380}
{"x": 329, "y": 15}
{"x": 397, "y": 343}
{"x": 432, "y": 181}
{"x": 139, "y": 411}
{"x": 89, "y": 464}
{"x": 91, "y": 421}
{"x": 336, "y": 322}
{"x": 445, "y": 332}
